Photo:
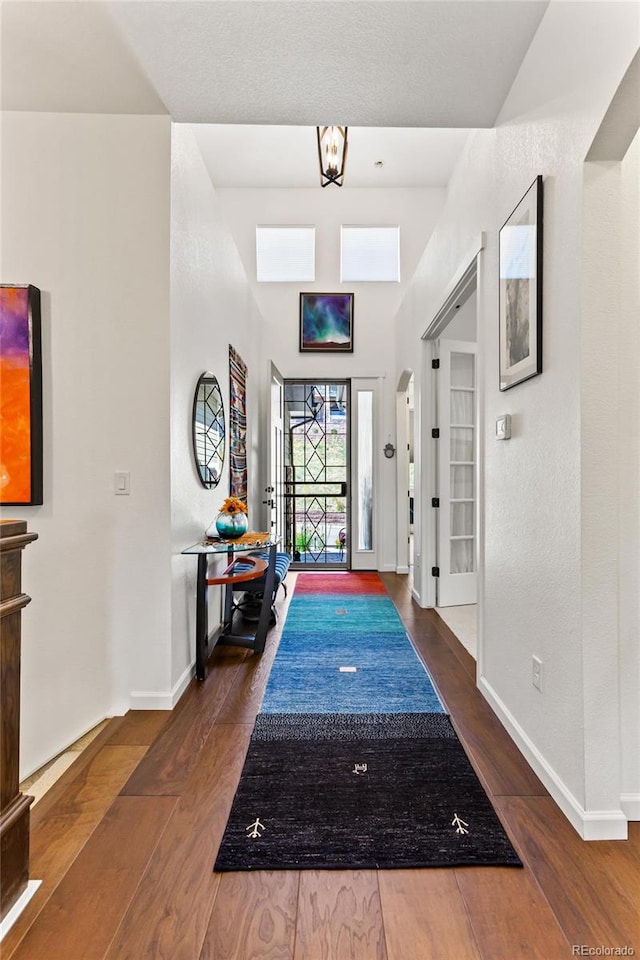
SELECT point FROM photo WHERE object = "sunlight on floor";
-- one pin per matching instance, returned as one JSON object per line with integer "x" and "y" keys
{"x": 43, "y": 779}
{"x": 463, "y": 622}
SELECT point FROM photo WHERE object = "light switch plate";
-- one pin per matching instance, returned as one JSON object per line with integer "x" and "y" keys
{"x": 503, "y": 427}
{"x": 122, "y": 483}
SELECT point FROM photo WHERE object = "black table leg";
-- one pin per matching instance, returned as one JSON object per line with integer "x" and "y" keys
{"x": 256, "y": 641}
{"x": 265, "y": 610}
{"x": 202, "y": 628}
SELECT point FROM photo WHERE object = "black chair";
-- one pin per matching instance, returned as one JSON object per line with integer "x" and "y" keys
{"x": 249, "y": 605}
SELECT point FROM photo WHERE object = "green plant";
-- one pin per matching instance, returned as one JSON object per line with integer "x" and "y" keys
{"x": 303, "y": 539}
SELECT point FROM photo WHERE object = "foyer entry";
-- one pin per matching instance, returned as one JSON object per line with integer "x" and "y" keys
{"x": 315, "y": 491}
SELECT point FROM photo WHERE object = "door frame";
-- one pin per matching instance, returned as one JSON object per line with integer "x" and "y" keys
{"x": 403, "y": 440}
{"x": 275, "y": 457}
{"x": 469, "y": 276}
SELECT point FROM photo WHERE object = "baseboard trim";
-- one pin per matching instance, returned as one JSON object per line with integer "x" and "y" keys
{"x": 402, "y": 570}
{"x": 630, "y": 803}
{"x": 18, "y": 907}
{"x": 158, "y": 700}
{"x": 590, "y": 825}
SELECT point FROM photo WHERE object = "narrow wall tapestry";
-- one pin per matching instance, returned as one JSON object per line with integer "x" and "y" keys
{"x": 237, "y": 425}
{"x": 20, "y": 395}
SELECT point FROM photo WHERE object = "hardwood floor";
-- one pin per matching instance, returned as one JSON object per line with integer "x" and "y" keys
{"x": 125, "y": 843}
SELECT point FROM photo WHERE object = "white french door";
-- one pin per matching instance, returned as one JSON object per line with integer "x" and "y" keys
{"x": 457, "y": 474}
{"x": 274, "y": 491}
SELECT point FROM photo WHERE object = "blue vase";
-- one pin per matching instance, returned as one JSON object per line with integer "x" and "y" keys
{"x": 230, "y": 526}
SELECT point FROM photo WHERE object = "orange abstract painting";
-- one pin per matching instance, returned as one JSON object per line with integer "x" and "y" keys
{"x": 20, "y": 396}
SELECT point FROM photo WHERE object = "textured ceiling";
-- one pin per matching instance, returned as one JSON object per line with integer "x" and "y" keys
{"x": 356, "y": 62}
{"x": 408, "y": 78}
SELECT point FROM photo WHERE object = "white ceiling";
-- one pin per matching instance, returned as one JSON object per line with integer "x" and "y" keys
{"x": 273, "y": 156}
{"x": 409, "y": 77}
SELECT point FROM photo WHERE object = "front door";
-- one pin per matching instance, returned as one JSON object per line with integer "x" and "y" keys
{"x": 316, "y": 472}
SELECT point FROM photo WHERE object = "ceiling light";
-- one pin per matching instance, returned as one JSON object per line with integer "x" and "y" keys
{"x": 332, "y": 154}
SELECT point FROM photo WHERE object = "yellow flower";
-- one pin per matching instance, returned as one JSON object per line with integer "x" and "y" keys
{"x": 233, "y": 505}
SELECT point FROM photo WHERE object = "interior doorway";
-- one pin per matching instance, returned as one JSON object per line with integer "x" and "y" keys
{"x": 316, "y": 492}
{"x": 451, "y": 460}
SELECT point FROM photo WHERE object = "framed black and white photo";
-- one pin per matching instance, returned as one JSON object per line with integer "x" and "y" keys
{"x": 520, "y": 255}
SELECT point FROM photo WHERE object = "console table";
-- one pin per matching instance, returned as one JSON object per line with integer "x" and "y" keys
{"x": 14, "y": 806}
{"x": 219, "y": 563}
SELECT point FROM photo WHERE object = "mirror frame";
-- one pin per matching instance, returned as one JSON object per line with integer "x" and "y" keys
{"x": 206, "y": 473}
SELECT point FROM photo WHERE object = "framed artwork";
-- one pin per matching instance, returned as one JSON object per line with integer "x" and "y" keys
{"x": 237, "y": 426}
{"x": 20, "y": 395}
{"x": 520, "y": 255}
{"x": 326, "y": 323}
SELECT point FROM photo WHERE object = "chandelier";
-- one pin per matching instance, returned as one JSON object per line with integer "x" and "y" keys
{"x": 332, "y": 154}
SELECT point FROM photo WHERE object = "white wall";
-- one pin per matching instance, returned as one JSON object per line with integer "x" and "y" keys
{"x": 464, "y": 325}
{"x": 628, "y": 419}
{"x": 212, "y": 306}
{"x": 85, "y": 217}
{"x": 534, "y": 561}
{"x": 610, "y": 424}
{"x": 375, "y": 304}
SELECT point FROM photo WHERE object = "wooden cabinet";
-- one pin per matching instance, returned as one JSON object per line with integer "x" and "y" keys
{"x": 14, "y": 806}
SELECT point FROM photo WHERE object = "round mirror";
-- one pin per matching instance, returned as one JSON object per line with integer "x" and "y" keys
{"x": 208, "y": 430}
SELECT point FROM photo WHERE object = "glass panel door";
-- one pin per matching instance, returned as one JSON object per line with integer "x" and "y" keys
{"x": 457, "y": 581}
{"x": 316, "y": 493}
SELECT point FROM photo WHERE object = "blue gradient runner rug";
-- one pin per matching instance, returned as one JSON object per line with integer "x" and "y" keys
{"x": 353, "y": 762}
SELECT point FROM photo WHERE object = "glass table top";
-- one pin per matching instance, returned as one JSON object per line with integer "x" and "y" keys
{"x": 249, "y": 541}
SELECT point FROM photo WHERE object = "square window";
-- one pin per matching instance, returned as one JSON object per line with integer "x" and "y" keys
{"x": 285, "y": 254}
{"x": 370, "y": 254}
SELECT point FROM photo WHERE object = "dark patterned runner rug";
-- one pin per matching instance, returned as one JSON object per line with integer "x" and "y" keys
{"x": 354, "y": 789}
{"x": 360, "y": 791}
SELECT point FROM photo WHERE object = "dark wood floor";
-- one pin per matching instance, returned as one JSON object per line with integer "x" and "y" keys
{"x": 125, "y": 843}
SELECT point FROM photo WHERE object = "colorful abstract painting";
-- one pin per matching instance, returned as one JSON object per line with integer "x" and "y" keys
{"x": 326, "y": 322}
{"x": 237, "y": 425}
{"x": 20, "y": 396}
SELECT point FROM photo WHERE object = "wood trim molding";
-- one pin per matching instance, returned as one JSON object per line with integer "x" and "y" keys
{"x": 16, "y": 809}
{"x": 14, "y": 605}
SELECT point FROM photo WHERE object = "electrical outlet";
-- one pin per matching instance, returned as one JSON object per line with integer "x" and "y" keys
{"x": 536, "y": 673}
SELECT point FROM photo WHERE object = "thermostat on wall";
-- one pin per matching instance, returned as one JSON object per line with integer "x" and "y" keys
{"x": 503, "y": 427}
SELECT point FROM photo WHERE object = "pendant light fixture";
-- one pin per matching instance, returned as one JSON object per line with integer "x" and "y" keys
{"x": 332, "y": 154}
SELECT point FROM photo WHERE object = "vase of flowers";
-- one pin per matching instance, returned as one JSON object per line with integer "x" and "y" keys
{"x": 232, "y": 521}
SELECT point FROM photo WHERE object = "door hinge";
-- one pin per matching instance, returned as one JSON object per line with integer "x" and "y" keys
{"x": 435, "y": 364}
{"x": 435, "y": 433}
{"x": 435, "y": 571}
{"x": 435, "y": 501}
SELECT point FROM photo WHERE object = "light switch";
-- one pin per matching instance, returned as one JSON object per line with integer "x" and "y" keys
{"x": 503, "y": 427}
{"x": 122, "y": 483}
